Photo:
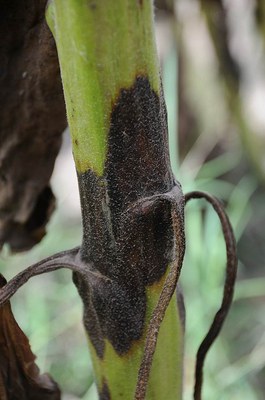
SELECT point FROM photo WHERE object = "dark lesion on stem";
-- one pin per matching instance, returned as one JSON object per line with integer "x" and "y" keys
{"x": 132, "y": 249}
{"x": 104, "y": 393}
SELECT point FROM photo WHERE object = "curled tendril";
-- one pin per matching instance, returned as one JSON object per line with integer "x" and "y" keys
{"x": 175, "y": 197}
{"x": 231, "y": 269}
{"x": 170, "y": 287}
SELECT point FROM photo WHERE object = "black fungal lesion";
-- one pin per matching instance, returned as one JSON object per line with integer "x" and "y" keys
{"x": 137, "y": 167}
{"x": 90, "y": 318}
{"x": 132, "y": 250}
{"x": 104, "y": 393}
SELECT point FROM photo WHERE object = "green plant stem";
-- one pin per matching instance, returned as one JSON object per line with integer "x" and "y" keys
{"x": 117, "y": 119}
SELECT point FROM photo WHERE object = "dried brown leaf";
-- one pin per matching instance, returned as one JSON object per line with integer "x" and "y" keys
{"x": 20, "y": 377}
{"x": 32, "y": 119}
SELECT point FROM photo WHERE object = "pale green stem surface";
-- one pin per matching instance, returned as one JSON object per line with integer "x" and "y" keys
{"x": 102, "y": 46}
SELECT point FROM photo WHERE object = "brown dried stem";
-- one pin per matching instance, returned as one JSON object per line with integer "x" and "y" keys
{"x": 175, "y": 197}
{"x": 231, "y": 269}
{"x": 66, "y": 259}
{"x": 171, "y": 283}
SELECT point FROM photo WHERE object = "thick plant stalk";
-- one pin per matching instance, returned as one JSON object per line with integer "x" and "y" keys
{"x": 118, "y": 125}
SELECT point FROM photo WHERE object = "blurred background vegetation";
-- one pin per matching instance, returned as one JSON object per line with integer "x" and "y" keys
{"x": 213, "y": 61}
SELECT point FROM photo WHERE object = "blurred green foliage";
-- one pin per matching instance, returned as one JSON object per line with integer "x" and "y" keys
{"x": 215, "y": 161}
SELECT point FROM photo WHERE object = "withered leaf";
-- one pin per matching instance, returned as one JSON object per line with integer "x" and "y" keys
{"x": 20, "y": 377}
{"x": 32, "y": 119}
